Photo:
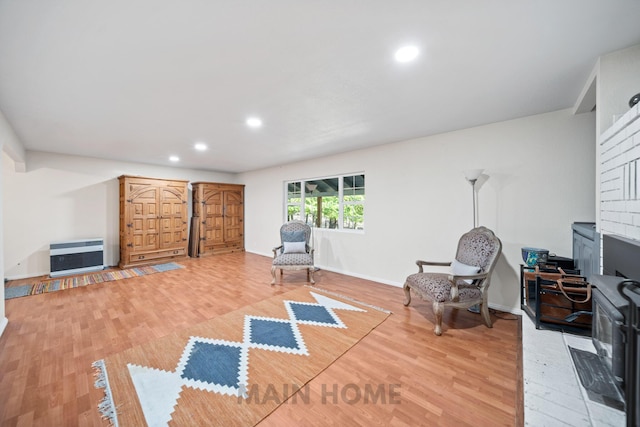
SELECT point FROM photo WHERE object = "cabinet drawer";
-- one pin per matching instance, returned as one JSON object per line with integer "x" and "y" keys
{"x": 157, "y": 255}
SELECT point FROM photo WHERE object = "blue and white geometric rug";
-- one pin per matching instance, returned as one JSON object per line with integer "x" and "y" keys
{"x": 237, "y": 368}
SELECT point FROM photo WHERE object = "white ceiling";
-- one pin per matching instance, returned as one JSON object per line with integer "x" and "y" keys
{"x": 140, "y": 80}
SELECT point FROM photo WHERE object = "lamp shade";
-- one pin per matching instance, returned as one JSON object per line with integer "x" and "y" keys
{"x": 473, "y": 174}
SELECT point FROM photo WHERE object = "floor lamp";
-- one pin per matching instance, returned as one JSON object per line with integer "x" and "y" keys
{"x": 472, "y": 176}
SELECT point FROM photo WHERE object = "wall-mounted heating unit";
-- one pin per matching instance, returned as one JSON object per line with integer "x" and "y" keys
{"x": 76, "y": 256}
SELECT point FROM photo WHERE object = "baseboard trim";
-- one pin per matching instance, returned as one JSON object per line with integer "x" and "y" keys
{"x": 506, "y": 309}
{"x": 362, "y": 276}
{"x": 498, "y": 307}
{"x": 346, "y": 273}
{"x": 48, "y": 274}
{"x": 270, "y": 255}
{"x": 26, "y": 276}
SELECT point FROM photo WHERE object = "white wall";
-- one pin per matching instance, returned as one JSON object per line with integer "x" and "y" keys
{"x": 539, "y": 179}
{"x": 62, "y": 197}
{"x": 3, "y": 319}
{"x": 10, "y": 142}
{"x": 10, "y": 145}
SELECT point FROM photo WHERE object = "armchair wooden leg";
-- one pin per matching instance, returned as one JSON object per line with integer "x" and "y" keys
{"x": 273, "y": 275}
{"x": 484, "y": 310}
{"x": 407, "y": 294}
{"x": 310, "y": 275}
{"x": 438, "y": 309}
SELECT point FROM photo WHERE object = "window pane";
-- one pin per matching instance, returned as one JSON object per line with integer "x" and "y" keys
{"x": 294, "y": 193}
{"x": 293, "y": 212}
{"x": 322, "y": 203}
{"x": 328, "y": 207}
{"x": 353, "y": 192}
{"x": 353, "y": 217}
{"x": 294, "y": 200}
{"x": 353, "y": 185}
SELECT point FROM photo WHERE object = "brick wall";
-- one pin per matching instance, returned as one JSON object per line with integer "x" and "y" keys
{"x": 620, "y": 176}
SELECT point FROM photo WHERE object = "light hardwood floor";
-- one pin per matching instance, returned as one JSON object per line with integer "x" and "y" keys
{"x": 470, "y": 376}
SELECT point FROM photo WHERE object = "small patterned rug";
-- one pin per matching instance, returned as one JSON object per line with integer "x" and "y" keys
{"x": 53, "y": 285}
{"x": 235, "y": 369}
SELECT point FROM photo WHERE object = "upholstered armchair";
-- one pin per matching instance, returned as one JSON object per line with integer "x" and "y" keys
{"x": 294, "y": 252}
{"x": 468, "y": 282}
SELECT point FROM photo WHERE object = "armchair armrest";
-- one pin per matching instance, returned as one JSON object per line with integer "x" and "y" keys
{"x": 454, "y": 278}
{"x": 455, "y": 292}
{"x": 420, "y": 263}
{"x": 275, "y": 251}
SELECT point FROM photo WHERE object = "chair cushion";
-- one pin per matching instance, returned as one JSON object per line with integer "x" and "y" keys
{"x": 293, "y": 236}
{"x": 293, "y": 259}
{"x": 436, "y": 287}
{"x": 295, "y": 247}
{"x": 460, "y": 269}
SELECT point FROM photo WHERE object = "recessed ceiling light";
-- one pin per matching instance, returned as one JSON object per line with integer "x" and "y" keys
{"x": 254, "y": 122}
{"x": 200, "y": 146}
{"x": 174, "y": 158}
{"x": 406, "y": 54}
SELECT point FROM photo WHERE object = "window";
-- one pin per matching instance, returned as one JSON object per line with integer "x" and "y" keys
{"x": 335, "y": 202}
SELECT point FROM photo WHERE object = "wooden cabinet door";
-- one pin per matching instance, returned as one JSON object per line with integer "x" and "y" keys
{"x": 143, "y": 219}
{"x": 172, "y": 218}
{"x": 233, "y": 216}
{"x": 212, "y": 221}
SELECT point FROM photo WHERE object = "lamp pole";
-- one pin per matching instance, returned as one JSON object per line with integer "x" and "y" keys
{"x": 473, "y": 191}
{"x": 472, "y": 176}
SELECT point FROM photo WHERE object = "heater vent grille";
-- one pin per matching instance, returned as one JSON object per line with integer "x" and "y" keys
{"x": 76, "y": 256}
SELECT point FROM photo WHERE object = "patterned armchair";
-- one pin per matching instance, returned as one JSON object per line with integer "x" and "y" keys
{"x": 468, "y": 283}
{"x": 294, "y": 252}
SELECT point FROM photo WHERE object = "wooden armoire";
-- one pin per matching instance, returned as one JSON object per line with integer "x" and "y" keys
{"x": 153, "y": 220}
{"x": 218, "y": 218}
